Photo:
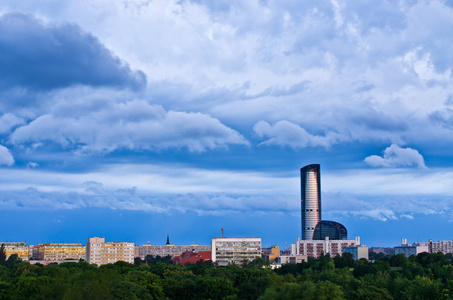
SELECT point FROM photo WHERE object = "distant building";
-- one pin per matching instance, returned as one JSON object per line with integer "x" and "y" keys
{"x": 295, "y": 248}
{"x": 191, "y": 258}
{"x": 33, "y": 252}
{"x": 61, "y": 251}
{"x": 48, "y": 262}
{"x": 167, "y": 250}
{"x": 99, "y": 252}
{"x": 291, "y": 259}
{"x": 332, "y": 230}
{"x": 21, "y": 249}
{"x": 410, "y": 249}
{"x": 313, "y": 228}
{"x": 226, "y": 251}
{"x": 270, "y": 254}
{"x": 357, "y": 251}
{"x": 384, "y": 250}
{"x": 310, "y": 182}
{"x": 440, "y": 246}
{"x": 316, "y": 248}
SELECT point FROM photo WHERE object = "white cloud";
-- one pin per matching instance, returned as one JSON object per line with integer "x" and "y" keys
{"x": 166, "y": 188}
{"x": 409, "y": 217}
{"x": 395, "y": 156}
{"x": 151, "y": 179}
{"x": 8, "y": 121}
{"x": 132, "y": 125}
{"x": 284, "y": 133}
{"x": 6, "y": 158}
{"x": 384, "y": 207}
{"x": 352, "y": 57}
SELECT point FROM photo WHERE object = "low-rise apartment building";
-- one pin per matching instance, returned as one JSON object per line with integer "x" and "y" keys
{"x": 21, "y": 249}
{"x": 61, "y": 251}
{"x": 316, "y": 248}
{"x": 168, "y": 250}
{"x": 226, "y": 251}
{"x": 100, "y": 252}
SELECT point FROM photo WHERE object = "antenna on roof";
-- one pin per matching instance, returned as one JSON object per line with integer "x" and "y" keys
{"x": 222, "y": 232}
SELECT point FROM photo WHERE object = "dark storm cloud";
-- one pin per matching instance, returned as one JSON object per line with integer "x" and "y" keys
{"x": 40, "y": 56}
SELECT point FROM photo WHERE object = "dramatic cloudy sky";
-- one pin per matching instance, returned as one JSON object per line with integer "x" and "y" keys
{"x": 134, "y": 119}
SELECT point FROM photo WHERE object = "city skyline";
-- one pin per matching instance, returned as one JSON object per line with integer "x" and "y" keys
{"x": 137, "y": 119}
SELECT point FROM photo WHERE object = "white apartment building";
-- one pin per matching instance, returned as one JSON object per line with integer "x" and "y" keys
{"x": 226, "y": 251}
{"x": 440, "y": 246}
{"x": 99, "y": 252}
{"x": 316, "y": 248}
{"x": 411, "y": 249}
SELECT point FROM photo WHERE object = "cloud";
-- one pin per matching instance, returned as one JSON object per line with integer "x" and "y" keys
{"x": 327, "y": 66}
{"x": 443, "y": 117}
{"x": 395, "y": 156}
{"x": 9, "y": 121}
{"x": 129, "y": 199}
{"x": 132, "y": 125}
{"x": 284, "y": 133}
{"x": 409, "y": 217}
{"x": 41, "y": 56}
{"x": 167, "y": 188}
{"x": 384, "y": 208}
{"x": 6, "y": 158}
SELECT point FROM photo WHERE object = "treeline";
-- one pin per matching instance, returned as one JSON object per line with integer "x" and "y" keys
{"x": 425, "y": 276}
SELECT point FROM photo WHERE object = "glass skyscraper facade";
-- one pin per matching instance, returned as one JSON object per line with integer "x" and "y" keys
{"x": 313, "y": 228}
{"x": 331, "y": 229}
{"x": 310, "y": 199}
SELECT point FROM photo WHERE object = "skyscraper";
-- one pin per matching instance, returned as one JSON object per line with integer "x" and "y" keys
{"x": 334, "y": 230}
{"x": 310, "y": 199}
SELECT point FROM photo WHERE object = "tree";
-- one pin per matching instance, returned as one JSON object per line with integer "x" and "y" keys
{"x": 290, "y": 291}
{"x": 373, "y": 293}
{"x": 257, "y": 263}
{"x": 397, "y": 260}
{"x": 214, "y": 288}
{"x": 2, "y": 255}
{"x": 13, "y": 261}
{"x": 324, "y": 262}
{"x": 344, "y": 261}
{"x": 328, "y": 291}
{"x": 363, "y": 267}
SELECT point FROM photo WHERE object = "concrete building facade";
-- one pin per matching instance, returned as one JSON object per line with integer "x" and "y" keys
{"x": 316, "y": 248}
{"x": 357, "y": 251}
{"x": 440, "y": 246}
{"x": 21, "y": 249}
{"x": 411, "y": 249}
{"x": 100, "y": 252}
{"x": 61, "y": 251}
{"x": 168, "y": 250}
{"x": 270, "y": 254}
{"x": 227, "y": 251}
{"x": 291, "y": 259}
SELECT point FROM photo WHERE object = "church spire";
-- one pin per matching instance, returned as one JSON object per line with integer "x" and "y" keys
{"x": 168, "y": 239}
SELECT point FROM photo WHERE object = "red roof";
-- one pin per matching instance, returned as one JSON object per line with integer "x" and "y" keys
{"x": 190, "y": 257}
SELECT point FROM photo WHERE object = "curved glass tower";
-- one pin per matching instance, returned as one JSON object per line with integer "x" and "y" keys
{"x": 310, "y": 199}
{"x": 331, "y": 229}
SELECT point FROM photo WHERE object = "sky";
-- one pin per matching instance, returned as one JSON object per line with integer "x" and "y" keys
{"x": 134, "y": 119}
